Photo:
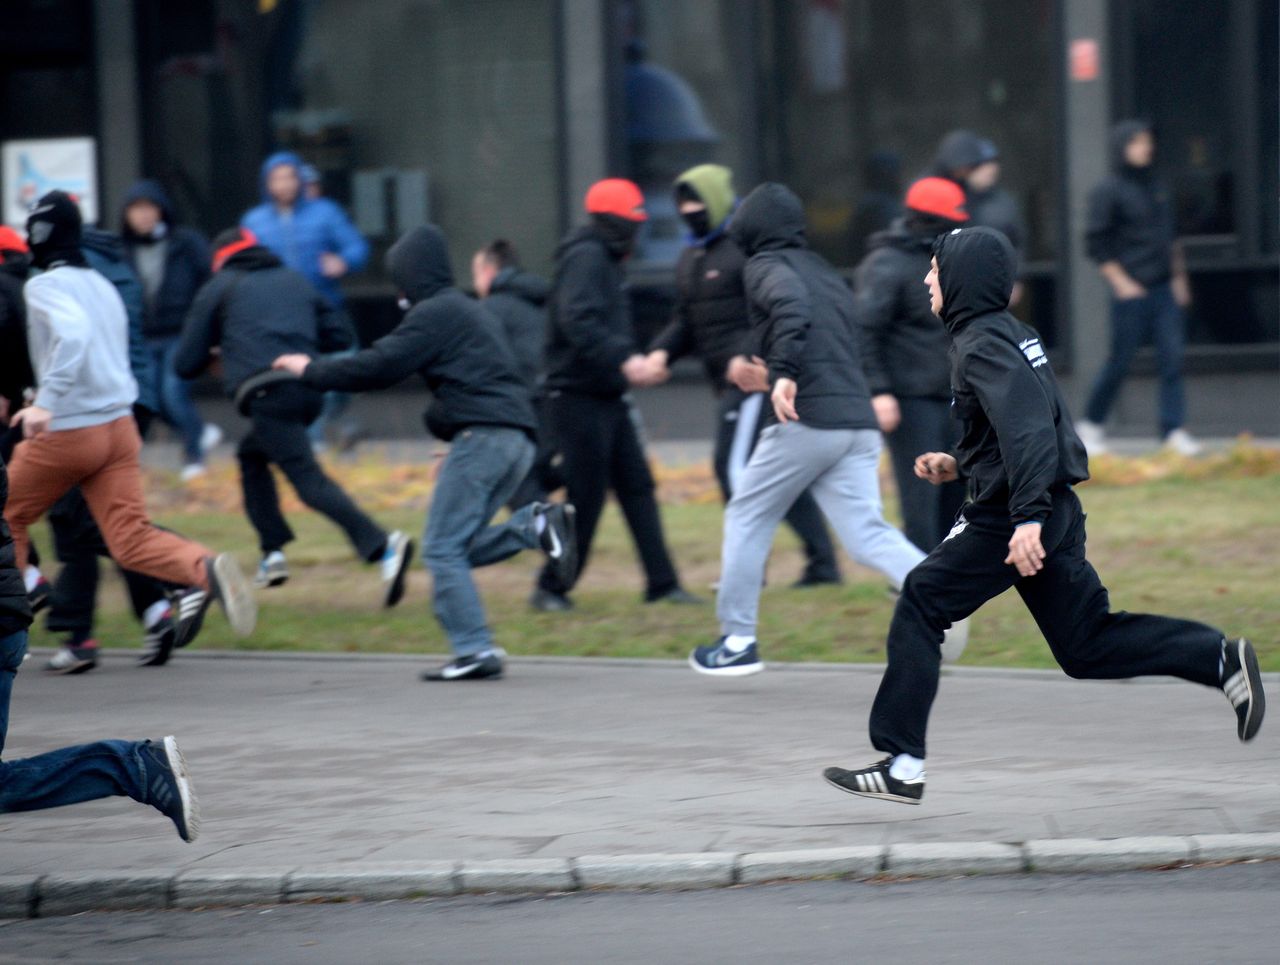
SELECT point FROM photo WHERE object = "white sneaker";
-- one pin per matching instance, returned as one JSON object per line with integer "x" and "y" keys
{"x": 954, "y": 641}
{"x": 1183, "y": 443}
{"x": 210, "y": 437}
{"x": 1093, "y": 436}
{"x": 192, "y": 470}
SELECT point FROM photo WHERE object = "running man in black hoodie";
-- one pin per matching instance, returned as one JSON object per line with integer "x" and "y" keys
{"x": 1023, "y": 527}
{"x": 479, "y": 405}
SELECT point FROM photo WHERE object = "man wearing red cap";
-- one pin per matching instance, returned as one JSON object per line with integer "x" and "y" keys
{"x": 904, "y": 353}
{"x": 593, "y": 360}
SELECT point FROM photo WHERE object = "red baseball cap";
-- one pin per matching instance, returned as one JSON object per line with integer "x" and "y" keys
{"x": 617, "y": 196}
{"x": 939, "y": 197}
{"x": 10, "y": 240}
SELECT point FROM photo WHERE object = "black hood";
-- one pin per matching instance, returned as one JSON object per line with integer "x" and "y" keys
{"x": 255, "y": 258}
{"x": 770, "y": 218}
{"x": 961, "y": 150}
{"x": 419, "y": 263}
{"x": 147, "y": 190}
{"x": 103, "y": 243}
{"x": 1121, "y": 134}
{"x": 523, "y": 284}
{"x": 910, "y": 234}
{"x": 976, "y": 269}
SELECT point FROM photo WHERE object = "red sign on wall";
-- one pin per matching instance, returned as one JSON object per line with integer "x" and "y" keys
{"x": 1085, "y": 58}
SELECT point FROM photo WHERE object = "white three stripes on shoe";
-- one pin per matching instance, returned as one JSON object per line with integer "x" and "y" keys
{"x": 872, "y": 783}
{"x": 1236, "y": 688}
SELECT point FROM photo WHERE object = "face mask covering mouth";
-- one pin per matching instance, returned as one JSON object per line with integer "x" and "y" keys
{"x": 699, "y": 222}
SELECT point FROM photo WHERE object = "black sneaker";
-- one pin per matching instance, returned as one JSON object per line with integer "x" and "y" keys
{"x": 227, "y": 585}
{"x": 559, "y": 539}
{"x": 545, "y": 601}
{"x": 479, "y": 666}
{"x": 1242, "y": 683}
{"x": 876, "y": 781}
{"x": 395, "y": 564}
{"x": 158, "y": 642}
{"x": 40, "y": 596}
{"x": 73, "y": 659}
{"x": 679, "y": 596}
{"x": 168, "y": 785}
{"x": 719, "y": 661}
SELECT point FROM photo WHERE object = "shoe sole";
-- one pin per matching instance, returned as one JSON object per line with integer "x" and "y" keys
{"x": 190, "y": 804}
{"x": 271, "y": 583}
{"x": 395, "y": 588}
{"x": 83, "y": 666}
{"x": 895, "y": 798}
{"x": 746, "y": 670}
{"x": 434, "y": 677}
{"x": 1248, "y": 729}
{"x": 235, "y": 595}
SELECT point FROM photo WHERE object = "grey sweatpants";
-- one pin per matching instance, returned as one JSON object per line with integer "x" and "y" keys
{"x": 839, "y": 466}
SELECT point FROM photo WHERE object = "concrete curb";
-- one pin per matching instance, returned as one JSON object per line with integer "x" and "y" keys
{"x": 48, "y": 895}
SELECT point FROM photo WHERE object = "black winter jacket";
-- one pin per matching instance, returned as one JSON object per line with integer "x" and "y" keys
{"x": 15, "y": 359}
{"x": 257, "y": 310}
{"x": 1018, "y": 445}
{"x": 1130, "y": 218}
{"x": 710, "y": 318}
{"x": 455, "y": 345}
{"x": 591, "y": 334}
{"x": 801, "y": 313}
{"x": 904, "y": 345}
{"x": 15, "y": 611}
{"x": 519, "y": 300}
{"x": 186, "y": 264}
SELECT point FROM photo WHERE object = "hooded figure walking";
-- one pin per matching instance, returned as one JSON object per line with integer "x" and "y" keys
{"x": 1023, "y": 528}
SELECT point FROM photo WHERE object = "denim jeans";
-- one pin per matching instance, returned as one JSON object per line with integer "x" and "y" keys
{"x": 68, "y": 776}
{"x": 484, "y": 467}
{"x": 1154, "y": 317}
{"x": 176, "y": 407}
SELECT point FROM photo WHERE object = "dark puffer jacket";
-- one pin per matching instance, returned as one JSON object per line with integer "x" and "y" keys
{"x": 449, "y": 339}
{"x": 15, "y": 359}
{"x": 519, "y": 300}
{"x": 1018, "y": 444}
{"x": 801, "y": 313}
{"x": 904, "y": 345}
{"x": 15, "y": 611}
{"x": 186, "y": 263}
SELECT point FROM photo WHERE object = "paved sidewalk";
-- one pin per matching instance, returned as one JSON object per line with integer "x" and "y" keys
{"x": 315, "y": 761}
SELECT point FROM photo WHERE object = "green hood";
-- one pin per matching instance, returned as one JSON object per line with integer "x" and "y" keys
{"x": 713, "y": 183}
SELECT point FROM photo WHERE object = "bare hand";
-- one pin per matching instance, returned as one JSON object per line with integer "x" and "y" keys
{"x": 937, "y": 467}
{"x": 331, "y": 265}
{"x": 297, "y": 364}
{"x": 1126, "y": 289}
{"x": 1025, "y": 550}
{"x": 657, "y": 360}
{"x": 749, "y": 375}
{"x": 784, "y": 401}
{"x": 639, "y": 372}
{"x": 33, "y": 419}
{"x": 888, "y": 415}
{"x": 1181, "y": 290}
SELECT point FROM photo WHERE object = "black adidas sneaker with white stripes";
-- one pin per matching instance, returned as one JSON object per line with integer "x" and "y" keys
{"x": 227, "y": 585}
{"x": 1242, "y": 683}
{"x": 876, "y": 781}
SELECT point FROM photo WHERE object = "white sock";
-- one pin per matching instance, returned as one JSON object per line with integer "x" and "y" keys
{"x": 736, "y": 643}
{"x": 30, "y": 576}
{"x": 906, "y": 768}
{"x": 154, "y": 613}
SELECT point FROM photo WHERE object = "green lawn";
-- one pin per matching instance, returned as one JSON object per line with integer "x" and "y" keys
{"x": 1200, "y": 549}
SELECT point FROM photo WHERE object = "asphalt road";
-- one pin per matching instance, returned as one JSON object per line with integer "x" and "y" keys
{"x": 1192, "y": 916}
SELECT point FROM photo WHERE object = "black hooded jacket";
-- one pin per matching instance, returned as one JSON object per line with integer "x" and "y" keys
{"x": 591, "y": 333}
{"x": 256, "y": 310}
{"x": 1130, "y": 218}
{"x": 15, "y": 611}
{"x": 904, "y": 345}
{"x": 449, "y": 339}
{"x": 519, "y": 301}
{"x": 15, "y": 358}
{"x": 801, "y": 311}
{"x": 186, "y": 263}
{"x": 1018, "y": 445}
{"x": 993, "y": 208}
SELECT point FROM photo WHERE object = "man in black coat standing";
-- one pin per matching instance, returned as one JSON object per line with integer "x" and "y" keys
{"x": 1023, "y": 527}
{"x": 593, "y": 359}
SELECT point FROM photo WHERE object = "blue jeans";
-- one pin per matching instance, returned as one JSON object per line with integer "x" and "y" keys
{"x": 484, "y": 467}
{"x": 67, "y": 776}
{"x": 1154, "y": 317}
{"x": 176, "y": 407}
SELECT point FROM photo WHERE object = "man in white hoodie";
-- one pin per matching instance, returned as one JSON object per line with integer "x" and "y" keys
{"x": 80, "y": 430}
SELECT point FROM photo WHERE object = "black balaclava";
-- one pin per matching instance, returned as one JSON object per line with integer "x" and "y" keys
{"x": 54, "y": 232}
{"x": 619, "y": 234}
{"x": 699, "y": 221}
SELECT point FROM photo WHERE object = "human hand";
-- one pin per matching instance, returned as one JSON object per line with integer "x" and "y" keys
{"x": 297, "y": 363}
{"x": 1181, "y": 288}
{"x": 749, "y": 375}
{"x": 33, "y": 419}
{"x": 638, "y": 372}
{"x": 1025, "y": 550}
{"x": 888, "y": 414}
{"x": 331, "y": 265}
{"x": 937, "y": 467}
{"x": 1126, "y": 289}
{"x": 784, "y": 401}
{"x": 657, "y": 360}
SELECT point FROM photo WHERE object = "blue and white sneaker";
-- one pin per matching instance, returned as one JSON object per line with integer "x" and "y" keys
{"x": 719, "y": 661}
{"x": 394, "y": 566}
{"x": 169, "y": 788}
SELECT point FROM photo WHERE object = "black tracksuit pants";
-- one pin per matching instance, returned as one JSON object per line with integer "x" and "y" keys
{"x": 1070, "y": 607}
{"x": 601, "y": 450}
{"x": 281, "y": 415}
{"x": 927, "y": 510}
{"x": 739, "y": 424}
